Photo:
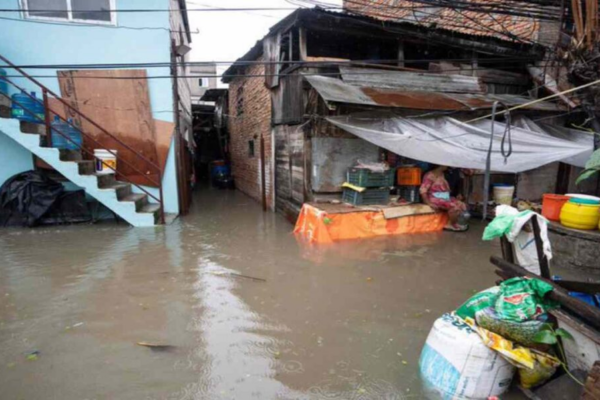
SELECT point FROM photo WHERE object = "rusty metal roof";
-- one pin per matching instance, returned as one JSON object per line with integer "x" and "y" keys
{"x": 337, "y": 91}
{"x": 412, "y": 81}
{"x": 478, "y": 23}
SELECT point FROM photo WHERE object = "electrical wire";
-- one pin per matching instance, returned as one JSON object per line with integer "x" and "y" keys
{"x": 375, "y": 62}
{"x": 79, "y": 25}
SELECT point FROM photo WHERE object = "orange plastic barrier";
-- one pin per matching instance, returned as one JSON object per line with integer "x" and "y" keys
{"x": 318, "y": 226}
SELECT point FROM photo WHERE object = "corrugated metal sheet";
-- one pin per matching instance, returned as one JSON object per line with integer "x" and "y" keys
{"x": 412, "y": 81}
{"x": 337, "y": 91}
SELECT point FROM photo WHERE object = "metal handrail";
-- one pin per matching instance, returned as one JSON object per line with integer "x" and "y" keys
{"x": 64, "y": 135}
{"x": 47, "y": 116}
{"x": 46, "y": 121}
{"x": 57, "y": 97}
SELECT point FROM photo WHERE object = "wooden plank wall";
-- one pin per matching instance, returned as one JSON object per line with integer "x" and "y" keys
{"x": 121, "y": 106}
{"x": 289, "y": 169}
{"x": 288, "y": 100}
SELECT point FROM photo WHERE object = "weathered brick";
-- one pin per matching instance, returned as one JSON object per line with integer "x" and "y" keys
{"x": 252, "y": 124}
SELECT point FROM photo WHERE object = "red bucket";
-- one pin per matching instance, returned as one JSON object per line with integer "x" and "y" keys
{"x": 552, "y": 204}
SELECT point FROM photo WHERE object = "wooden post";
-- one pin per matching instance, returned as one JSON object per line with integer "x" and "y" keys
{"x": 303, "y": 45}
{"x": 47, "y": 118}
{"x": 539, "y": 245}
{"x": 507, "y": 250}
{"x": 401, "y": 54}
{"x": 263, "y": 179}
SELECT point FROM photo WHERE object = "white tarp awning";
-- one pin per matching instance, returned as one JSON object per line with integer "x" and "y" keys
{"x": 447, "y": 141}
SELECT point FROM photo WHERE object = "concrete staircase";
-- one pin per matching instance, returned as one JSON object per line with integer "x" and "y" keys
{"x": 135, "y": 208}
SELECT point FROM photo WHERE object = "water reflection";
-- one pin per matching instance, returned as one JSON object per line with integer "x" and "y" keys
{"x": 344, "y": 321}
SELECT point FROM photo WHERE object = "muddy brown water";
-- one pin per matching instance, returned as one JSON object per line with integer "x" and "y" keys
{"x": 346, "y": 321}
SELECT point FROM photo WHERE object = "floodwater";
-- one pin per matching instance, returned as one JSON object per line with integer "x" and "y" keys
{"x": 346, "y": 321}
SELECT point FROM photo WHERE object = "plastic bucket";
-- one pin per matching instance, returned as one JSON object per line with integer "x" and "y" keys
{"x": 104, "y": 160}
{"x": 580, "y": 216}
{"x": 552, "y": 204}
{"x": 503, "y": 194}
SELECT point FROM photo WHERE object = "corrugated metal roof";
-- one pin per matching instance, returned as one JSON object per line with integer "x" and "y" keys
{"x": 412, "y": 81}
{"x": 337, "y": 91}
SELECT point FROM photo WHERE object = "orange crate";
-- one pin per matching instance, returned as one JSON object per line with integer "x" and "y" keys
{"x": 409, "y": 176}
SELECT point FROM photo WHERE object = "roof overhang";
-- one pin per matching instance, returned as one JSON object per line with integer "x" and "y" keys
{"x": 334, "y": 90}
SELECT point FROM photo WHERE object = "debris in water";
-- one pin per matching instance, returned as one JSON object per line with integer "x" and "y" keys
{"x": 369, "y": 279}
{"x": 33, "y": 356}
{"x": 235, "y": 275}
{"x": 11, "y": 365}
{"x": 404, "y": 362}
{"x": 77, "y": 325}
{"x": 157, "y": 346}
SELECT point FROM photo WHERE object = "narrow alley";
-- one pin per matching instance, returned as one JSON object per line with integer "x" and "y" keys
{"x": 347, "y": 321}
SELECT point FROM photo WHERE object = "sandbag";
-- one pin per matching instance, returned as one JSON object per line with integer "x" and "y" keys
{"x": 480, "y": 301}
{"x": 534, "y": 367}
{"x": 522, "y": 333}
{"x": 455, "y": 364}
{"x": 522, "y": 299}
{"x": 544, "y": 368}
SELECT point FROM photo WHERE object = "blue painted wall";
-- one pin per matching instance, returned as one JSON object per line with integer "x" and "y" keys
{"x": 26, "y": 42}
{"x": 14, "y": 159}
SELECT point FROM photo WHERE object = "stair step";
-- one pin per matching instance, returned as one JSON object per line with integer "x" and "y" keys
{"x": 70, "y": 155}
{"x": 150, "y": 208}
{"x": 32, "y": 128}
{"x": 5, "y": 106}
{"x": 123, "y": 190}
{"x": 139, "y": 199}
{"x": 105, "y": 180}
{"x": 86, "y": 167}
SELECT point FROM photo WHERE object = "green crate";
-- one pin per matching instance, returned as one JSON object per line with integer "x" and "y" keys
{"x": 368, "y": 197}
{"x": 366, "y": 178}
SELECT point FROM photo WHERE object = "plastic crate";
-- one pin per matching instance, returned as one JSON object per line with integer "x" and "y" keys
{"x": 410, "y": 193}
{"x": 380, "y": 196}
{"x": 366, "y": 178}
{"x": 409, "y": 176}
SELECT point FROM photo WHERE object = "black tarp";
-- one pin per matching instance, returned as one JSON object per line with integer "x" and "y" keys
{"x": 32, "y": 198}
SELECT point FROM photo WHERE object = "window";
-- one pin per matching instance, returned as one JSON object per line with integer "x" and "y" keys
{"x": 92, "y": 11}
{"x": 251, "y": 148}
{"x": 201, "y": 82}
{"x": 239, "y": 104}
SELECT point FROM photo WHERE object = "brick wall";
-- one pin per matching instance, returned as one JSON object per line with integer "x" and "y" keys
{"x": 250, "y": 125}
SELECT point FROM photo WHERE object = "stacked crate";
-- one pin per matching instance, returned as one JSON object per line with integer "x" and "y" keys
{"x": 376, "y": 187}
{"x": 409, "y": 183}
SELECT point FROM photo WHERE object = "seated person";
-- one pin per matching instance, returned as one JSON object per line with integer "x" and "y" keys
{"x": 435, "y": 192}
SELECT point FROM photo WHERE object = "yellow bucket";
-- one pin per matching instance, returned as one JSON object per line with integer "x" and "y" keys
{"x": 580, "y": 216}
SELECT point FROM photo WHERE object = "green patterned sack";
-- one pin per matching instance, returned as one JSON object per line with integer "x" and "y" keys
{"x": 480, "y": 301}
{"x": 522, "y": 299}
{"x": 522, "y": 333}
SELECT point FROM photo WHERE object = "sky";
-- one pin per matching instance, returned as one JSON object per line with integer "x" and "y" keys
{"x": 226, "y": 36}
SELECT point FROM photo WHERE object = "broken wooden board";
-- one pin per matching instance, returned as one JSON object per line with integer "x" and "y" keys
{"x": 164, "y": 136}
{"x": 122, "y": 107}
{"x": 407, "y": 210}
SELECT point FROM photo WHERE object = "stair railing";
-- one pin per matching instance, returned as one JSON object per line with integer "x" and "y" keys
{"x": 49, "y": 130}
